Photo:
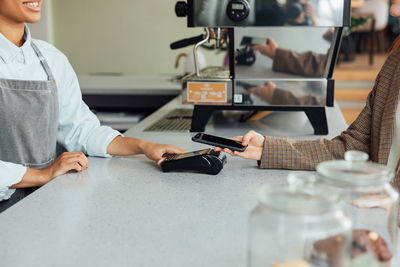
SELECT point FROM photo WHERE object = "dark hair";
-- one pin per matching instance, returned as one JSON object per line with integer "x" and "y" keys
{"x": 270, "y": 15}
{"x": 294, "y": 10}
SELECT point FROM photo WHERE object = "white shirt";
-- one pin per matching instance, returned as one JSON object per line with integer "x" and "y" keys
{"x": 79, "y": 129}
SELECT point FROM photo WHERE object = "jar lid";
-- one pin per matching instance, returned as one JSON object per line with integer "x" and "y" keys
{"x": 355, "y": 170}
{"x": 303, "y": 195}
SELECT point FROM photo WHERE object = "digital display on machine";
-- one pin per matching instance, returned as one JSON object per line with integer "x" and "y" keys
{"x": 192, "y": 154}
{"x": 237, "y": 6}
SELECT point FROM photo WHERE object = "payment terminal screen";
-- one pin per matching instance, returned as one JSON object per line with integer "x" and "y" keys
{"x": 193, "y": 154}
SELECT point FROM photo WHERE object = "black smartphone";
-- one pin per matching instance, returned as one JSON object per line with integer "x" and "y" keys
{"x": 219, "y": 142}
{"x": 245, "y": 85}
{"x": 249, "y": 41}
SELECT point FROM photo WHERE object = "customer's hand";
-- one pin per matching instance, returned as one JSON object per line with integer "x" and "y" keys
{"x": 395, "y": 8}
{"x": 66, "y": 162}
{"x": 268, "y": 49}
{"x": 309, "y": 10}
{"x": 264, "y": 92}
{"x": 155, "y": 151}
{"x": 254, "y": 142}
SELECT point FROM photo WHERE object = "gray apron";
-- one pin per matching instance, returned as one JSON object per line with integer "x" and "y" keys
{"x": 29, "y": 124}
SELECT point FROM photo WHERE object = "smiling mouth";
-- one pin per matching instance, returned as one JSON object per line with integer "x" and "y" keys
{"x": 32, "y": 5}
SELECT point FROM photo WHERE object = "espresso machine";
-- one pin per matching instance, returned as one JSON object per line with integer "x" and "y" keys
{"x": 280, "y": 56}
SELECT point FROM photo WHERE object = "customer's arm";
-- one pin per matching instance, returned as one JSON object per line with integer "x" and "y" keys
{"x": 276, "y": 96}
{"x": 308, "y": 64}
{"x": 284, "y": 153}
{"x": 284, "y": 97}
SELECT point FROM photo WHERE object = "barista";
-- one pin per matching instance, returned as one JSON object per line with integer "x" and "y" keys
{"x": 376, "y": 131}
{"x": 41, "y": 105}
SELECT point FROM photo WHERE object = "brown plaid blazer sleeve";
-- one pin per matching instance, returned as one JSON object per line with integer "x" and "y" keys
{"x": 281, "y": 96}
{"x": 308, "y": 64}
{"x": 284, "y": 153}
{"x": 371, "y": 132}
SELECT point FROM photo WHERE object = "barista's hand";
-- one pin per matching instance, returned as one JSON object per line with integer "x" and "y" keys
{"x": 126, "y": 146}
{"x": 268, "y": 49}
{"x": 264, "y": 92}
{"x": 66, "y": 162}
{"x": 254, "y": 142}
{"x": 155, "y": 151}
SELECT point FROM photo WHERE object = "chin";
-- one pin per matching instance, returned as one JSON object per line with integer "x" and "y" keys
{"x": 32, "y": 19}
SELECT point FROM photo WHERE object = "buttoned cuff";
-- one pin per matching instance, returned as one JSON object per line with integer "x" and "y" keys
{"x": 11, "y": 173}
{"x": 99, "y": 141}
{"x": 6, "y": 193}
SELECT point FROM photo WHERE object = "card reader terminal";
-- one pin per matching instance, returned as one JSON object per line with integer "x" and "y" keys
{"x": 205, "y": 161}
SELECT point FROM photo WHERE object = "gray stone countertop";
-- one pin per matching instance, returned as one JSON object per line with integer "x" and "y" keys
{"x": 124, "y": 84}
{"x": 126, "y": 212}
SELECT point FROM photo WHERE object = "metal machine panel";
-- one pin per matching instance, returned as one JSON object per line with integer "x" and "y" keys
{"x": 304, "y": 37}
{"x": 261, "y": 92}
{"x": 302, "y": 52}
{"x": 259, "y": 13}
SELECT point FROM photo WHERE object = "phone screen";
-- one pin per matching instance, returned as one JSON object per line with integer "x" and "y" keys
{"x": 219, "y": 140}
{"x": 247, "y": 40}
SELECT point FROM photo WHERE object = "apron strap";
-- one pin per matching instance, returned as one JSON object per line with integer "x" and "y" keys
{"x": 43, "y": 61}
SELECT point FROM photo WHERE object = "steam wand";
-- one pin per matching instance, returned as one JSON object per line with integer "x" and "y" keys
{"x": 196, "y": 62}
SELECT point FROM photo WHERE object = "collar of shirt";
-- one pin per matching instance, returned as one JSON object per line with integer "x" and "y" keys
{"x": 9, "y": 52}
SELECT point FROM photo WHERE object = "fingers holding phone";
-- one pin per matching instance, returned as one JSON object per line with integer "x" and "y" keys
{"x": 254, "y": 143}
{"x": 265, "y": 92}
{"x": 227, "y": 150}
{"x": 268, "y": 49}
{"x": 217, "y": 141}
{"x": 251, "y": 152}
{"x": 253, "y": 138}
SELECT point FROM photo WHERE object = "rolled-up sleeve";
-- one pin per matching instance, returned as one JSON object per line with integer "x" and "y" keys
{"x": 79, "y": 128}
{"x": 10, "y": 174}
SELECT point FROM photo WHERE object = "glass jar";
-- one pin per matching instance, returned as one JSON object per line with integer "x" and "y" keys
{"x": 299, "y": 224}
{"x": 371, "y": 203}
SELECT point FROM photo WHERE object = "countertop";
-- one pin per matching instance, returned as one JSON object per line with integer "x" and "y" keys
{"x": 126, "y": 212}
{"x": 124, "y": 84}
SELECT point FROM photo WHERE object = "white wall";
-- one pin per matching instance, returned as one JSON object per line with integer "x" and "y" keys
{"x": 123, "y": 36}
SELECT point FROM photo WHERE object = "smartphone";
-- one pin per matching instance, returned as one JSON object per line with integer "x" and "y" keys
{"x": 249, "y": 41}
{"x": 245, "y": 85}
{"x": 219, "y": 142}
